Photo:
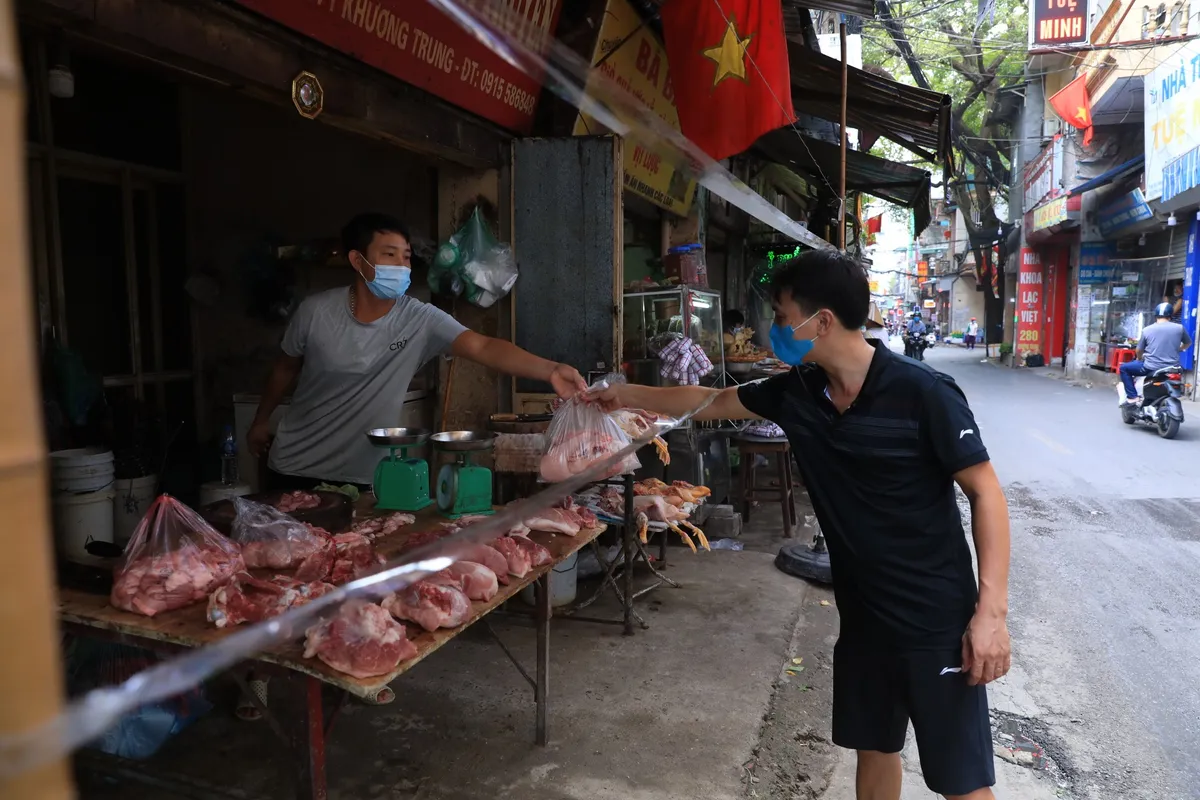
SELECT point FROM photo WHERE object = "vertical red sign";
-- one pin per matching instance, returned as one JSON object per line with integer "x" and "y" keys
{"x": 1030, "y": 279}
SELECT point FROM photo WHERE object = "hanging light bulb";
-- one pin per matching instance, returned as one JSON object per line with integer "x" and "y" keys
{"x": 1171, "y": 221}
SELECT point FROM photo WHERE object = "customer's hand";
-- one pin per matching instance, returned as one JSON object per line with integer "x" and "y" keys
{"x": 610, "y": 398}
{"x": 986, "y": 649}
{"x": 567, "y": 381}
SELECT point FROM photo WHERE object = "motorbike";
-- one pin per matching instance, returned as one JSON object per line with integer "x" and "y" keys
{"x": 915, "y": 345}
{"x": 1161, "y": 406}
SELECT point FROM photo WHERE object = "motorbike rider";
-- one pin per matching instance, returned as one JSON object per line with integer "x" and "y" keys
{"x": 915, "y": 330}
{"x": 1158, "y": 348}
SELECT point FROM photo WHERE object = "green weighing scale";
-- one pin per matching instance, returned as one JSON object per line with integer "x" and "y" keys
{"x": 401, "y": 483}
{"x": 462, "y": 487}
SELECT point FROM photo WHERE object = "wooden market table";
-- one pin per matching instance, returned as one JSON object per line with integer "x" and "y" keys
{"x": 88, "y": 614}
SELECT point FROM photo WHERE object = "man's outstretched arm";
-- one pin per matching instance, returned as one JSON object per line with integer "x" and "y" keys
{"x": 675, "y": 401}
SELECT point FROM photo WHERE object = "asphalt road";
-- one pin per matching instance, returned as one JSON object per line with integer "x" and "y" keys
{"x": 1105, "y": 584}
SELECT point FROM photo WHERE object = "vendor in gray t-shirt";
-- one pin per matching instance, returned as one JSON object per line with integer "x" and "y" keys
{"x": 352, "y": 354}
{"x": 1158, "y": 348}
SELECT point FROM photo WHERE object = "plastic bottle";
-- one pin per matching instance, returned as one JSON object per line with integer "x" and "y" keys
{"x": 229, "y": 457}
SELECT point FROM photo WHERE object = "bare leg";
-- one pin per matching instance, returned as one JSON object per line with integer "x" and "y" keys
{"x": 978, "y": 794}
{"x": 879, "y": 776}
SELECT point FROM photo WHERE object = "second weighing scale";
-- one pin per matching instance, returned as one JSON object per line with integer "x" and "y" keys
{"x": 401, "y": 483}
{"x": 462, "y": 487}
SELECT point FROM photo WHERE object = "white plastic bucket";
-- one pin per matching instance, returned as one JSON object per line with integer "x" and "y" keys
{"x": 216, "y": 490}
{"x": 563, "y": 583}
{"x": 84, "y": 469}
{"x": 132, "y": 497}
{"x": 83, "y": 518}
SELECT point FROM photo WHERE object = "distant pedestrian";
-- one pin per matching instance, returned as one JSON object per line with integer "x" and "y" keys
{"x": 972, "y": 334}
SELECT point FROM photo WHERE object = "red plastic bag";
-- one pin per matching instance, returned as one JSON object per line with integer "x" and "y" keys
{"x": 579, "y": 436}
{"x": 174, "y": 559}
{"x": 270, "y": 539}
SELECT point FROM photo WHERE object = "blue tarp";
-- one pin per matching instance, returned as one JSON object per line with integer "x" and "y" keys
{"x": 1116, "y": 173}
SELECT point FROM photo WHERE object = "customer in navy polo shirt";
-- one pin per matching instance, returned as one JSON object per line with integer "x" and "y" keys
{"x": 880, "y": 441}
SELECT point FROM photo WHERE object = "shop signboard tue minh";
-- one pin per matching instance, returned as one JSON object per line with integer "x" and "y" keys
{"x": 1171, "y": 122}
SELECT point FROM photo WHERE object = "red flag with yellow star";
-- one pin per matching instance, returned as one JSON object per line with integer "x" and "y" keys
{"x": 1073, "y": 104}
{"x": 729, "y": 70}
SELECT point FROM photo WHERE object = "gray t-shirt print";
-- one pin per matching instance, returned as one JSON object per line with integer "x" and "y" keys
{"x": 354, "y": 378}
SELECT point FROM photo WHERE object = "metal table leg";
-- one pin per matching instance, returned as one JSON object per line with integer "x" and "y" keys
{"x": 541, "y": 692}
{"x": 308, "y": 740}
{"x": 629, "y": 546}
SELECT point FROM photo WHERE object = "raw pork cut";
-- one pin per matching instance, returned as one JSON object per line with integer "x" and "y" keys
{"x": 361, "y": 640}
{"x": 518, "y": 560}
{"x": 429, "y": 605}
{"x": 444, "y": 578}
{"x": 249, "y": 599}
{"x": 489, "y": 557}
{"x": 318, "y": 565}
{"x": 279, "y": 553}
{"x": 173, "y": 559}
{"x": 297, "y": 501}
{"x": 479, "y": 582}
{"x": 555, "y": 520}
{"x": 355, "y": 557}
{"x": 172, "y": 580}
{"x": 538, "y": 555}
{"x": 375, "y": 527}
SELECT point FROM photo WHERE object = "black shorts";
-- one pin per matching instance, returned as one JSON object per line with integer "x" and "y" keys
{"x": 877, "y": 690}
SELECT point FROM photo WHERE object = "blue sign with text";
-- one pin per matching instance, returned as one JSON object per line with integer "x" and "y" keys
{"x": 1191, "y": 293}
{"x": 1181, "y": 174}
{"x": 1095, "y": 263}
{"x": 1123, "y": 212}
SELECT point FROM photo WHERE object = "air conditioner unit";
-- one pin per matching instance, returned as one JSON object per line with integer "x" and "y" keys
{"x": 1051, "y": 127}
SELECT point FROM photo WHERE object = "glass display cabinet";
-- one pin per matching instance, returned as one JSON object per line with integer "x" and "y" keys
{"x": 653, "y": 317}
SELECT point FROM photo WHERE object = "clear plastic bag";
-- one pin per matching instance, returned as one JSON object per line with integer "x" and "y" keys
{"x": 474, "y": 264}
{"x": 270, "y": 539}
{"x": 580, "y": 435}
{"x": 173, "y": 559}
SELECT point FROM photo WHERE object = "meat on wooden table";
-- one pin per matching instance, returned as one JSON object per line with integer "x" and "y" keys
{"x": 429, "y": 605}
{"x": 361, "y": 640}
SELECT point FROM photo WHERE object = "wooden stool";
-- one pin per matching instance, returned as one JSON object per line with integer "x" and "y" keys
{"x": 751, "y": 446}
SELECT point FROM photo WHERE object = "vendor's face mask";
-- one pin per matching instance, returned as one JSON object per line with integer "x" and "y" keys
{"x": 787, "y": 347}
{"x": 391, "y": 280}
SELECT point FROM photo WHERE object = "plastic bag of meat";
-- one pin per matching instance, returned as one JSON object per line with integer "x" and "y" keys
{"x": 361, "y": 640}
{"x": 270, "y": 539}
{"x": 580, "y": 435}
{"x": 173, "y": 559}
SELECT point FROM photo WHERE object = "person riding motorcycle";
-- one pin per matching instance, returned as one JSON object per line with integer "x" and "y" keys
{"x": 1158, "y": 348}
{"x": 913, "y": 333}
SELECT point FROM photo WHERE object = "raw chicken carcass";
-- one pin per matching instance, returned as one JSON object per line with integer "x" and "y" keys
{"x": 556, "y": 520}
{"x": 655, "y": 507}
{"x": 578, "y": 450}
{"x": 249, "y": 599}
{"x": 538, "y": 555}
{"x": 518, "y": 559}
{"x": 479, "y": 582}
{"x": 297, "y": 501}
{"x": 361, "y": 640}
{"x": 172, "y": 580}
{"x": 429, "y": 605}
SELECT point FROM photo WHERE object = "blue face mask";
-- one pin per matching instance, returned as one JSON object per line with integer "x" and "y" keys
{"x": 391, "y": 282}
{"x": 787, "y": 347}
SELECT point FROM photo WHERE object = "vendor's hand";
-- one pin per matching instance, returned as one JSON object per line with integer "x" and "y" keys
{"x": 259, "y": 438}
{"x": 567, "y": 381}
{"x": 986, "y": 649}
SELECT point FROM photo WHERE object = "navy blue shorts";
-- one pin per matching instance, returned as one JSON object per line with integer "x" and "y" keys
{"x": 877, "y": 690}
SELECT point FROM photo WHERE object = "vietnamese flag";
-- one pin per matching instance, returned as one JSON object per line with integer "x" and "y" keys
{"x": 729, "y": 71}
{"x": 1074, "y": 106}
{"x": 874, "y": 226}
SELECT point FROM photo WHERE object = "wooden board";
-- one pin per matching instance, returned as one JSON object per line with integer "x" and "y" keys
{"x": 189, "y": 627}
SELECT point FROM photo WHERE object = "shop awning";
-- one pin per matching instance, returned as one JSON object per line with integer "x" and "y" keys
{"x": 855, "y": 8}
{"x": 1115, "y": 174}
{"x": 913, "y": 118}
{"x": 897, "y": 183}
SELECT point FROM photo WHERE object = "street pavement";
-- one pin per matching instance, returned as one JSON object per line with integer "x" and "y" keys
{"x": 1104, "y": 697}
